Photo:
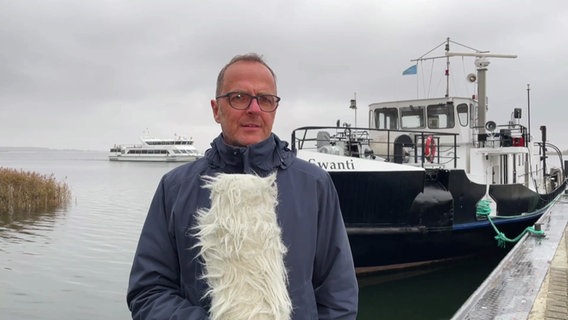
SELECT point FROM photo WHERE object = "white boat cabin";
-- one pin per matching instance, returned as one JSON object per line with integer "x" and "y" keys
{"x": 441, "y": 133}
{"x": 445, "y": 133}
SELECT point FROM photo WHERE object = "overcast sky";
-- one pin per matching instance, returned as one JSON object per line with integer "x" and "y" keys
{"x": 91, "y": 74}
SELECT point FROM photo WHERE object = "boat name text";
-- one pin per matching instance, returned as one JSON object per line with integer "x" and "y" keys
{"x": 334, "y": 165}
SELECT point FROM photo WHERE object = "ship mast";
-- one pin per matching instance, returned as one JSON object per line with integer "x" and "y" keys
{"x": 447, "y": 67}
{"x": 481, "y": 63}
{"x": 446, "y": 45}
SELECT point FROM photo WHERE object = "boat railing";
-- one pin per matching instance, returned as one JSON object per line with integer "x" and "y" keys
{"x": 494, "y": 136}
{"x": 412, "y": 147}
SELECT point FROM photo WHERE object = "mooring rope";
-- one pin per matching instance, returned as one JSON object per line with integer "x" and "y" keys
{"x": 484, "y": 209}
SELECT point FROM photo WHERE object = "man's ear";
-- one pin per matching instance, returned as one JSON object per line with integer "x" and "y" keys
{"x": 216, "y": 111}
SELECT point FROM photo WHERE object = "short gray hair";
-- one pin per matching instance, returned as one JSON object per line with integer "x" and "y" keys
{"x": 251, "y": 57}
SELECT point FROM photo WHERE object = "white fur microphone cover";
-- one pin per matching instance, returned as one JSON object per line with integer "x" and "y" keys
{"x": 241, "y": 246}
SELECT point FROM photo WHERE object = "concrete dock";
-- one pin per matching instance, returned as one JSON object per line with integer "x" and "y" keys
{"x": 531, "y": 282}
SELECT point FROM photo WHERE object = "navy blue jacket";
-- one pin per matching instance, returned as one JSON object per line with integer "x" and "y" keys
{"x": 165, "y": 277}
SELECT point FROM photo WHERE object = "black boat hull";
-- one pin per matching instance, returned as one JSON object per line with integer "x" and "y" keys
{"x": 383, "y": 249}
{"x": 395, "y": 218}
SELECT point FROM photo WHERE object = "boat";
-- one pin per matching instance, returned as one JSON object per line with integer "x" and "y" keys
{"x": 430, "y": 179}
{"x": 177, "y": 149}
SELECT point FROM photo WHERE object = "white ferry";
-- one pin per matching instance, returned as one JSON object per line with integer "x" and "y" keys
{"x": 177, "y": 149}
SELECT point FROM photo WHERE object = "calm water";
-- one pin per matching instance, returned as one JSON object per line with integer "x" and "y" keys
{"x": 74, "y": 263}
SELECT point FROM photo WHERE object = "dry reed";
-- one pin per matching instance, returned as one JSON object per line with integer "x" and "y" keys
{"x": 25, "y": 191}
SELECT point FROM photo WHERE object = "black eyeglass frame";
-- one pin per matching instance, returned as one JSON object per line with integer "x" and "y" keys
{"x": 227, "y": 95}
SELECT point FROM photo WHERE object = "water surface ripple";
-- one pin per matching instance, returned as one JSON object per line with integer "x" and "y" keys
{"x": 74, "y": 263}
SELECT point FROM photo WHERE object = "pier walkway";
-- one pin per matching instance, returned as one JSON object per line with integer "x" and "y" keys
{"x": 531, "y": 282}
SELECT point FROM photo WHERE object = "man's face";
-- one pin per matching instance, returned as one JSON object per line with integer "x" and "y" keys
{"x": 252, "y": 125}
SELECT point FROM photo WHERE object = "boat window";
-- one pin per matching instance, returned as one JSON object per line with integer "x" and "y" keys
{"x": 386, "y": 118}
{"x": 441, "y": 116}
{"x": 412, "y": 117}
{"x": 169, "y": 142}
{"x": 462, "y": 114}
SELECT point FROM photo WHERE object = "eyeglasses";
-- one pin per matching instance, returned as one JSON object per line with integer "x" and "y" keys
{"x": 242, "y": 101}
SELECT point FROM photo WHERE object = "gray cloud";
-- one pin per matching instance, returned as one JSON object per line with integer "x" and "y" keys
{"x": 90, "y": 74}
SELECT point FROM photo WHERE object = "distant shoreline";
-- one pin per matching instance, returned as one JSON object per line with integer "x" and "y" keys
{"x": 8, "y": 149}
{"x": 4, "y": 149}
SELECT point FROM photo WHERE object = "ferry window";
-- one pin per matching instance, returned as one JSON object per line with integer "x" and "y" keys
{"x": 462, "y": 114}
{"x": 386, "y": 118}
{"x": 412, "y": 117}
{"x": 440, "y": 116}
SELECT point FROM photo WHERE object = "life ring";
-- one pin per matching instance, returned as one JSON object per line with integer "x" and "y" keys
{"x": 430, "y": 148}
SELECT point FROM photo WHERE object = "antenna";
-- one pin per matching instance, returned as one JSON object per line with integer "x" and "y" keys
{"x": 447, "y": 73}
{"x": 529, "y": 110}
{"x": 480, "y": 55}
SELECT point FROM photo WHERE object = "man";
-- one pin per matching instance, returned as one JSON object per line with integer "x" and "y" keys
{"x": 168, "y": 277}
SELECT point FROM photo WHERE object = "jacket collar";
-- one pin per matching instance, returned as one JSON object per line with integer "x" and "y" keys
{"x": 261, "y": 158}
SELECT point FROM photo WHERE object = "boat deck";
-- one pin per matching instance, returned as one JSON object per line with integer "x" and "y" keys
{"x": 531, "y": 282}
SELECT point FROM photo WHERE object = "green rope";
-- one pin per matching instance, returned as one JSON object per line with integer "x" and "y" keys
{"x": 484, "y": 209}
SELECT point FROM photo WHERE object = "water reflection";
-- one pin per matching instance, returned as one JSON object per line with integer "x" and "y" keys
{"x": 25, "y": 225}
{"x": 434, "y": 292}
{"x": 73, "y": 263}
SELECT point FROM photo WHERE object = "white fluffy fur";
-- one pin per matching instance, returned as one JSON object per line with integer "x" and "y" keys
{"x": 241, "y": 246}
